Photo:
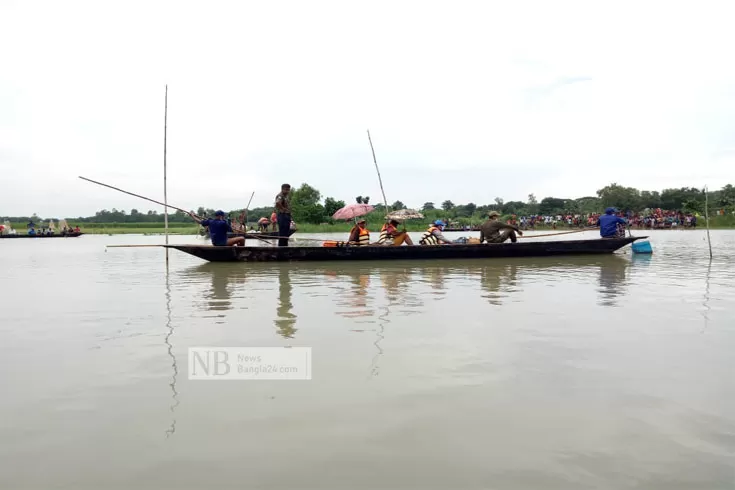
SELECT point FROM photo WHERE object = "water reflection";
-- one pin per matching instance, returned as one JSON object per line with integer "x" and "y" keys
{"x": 285, "y": 319}
{"x": 613, "y": 273}
{"x": 354, "y": 300}
{"x": 435, "y": 277}
{"x": 223, "y": 279}
{"x": 705, "y": 302}
{"x": 499, "y": 280}
{"x": 169, "y": 348}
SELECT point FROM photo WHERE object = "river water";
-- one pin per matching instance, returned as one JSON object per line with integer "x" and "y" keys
{"x": 558, "y": 373}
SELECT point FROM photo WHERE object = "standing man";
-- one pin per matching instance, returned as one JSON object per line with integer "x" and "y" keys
{"x": 490, "y": 230}
{"x": 283, "y": 214}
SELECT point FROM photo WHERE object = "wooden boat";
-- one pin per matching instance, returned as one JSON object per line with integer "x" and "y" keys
{"x": 293, "y": 254}
{"x": 57, "y": 235}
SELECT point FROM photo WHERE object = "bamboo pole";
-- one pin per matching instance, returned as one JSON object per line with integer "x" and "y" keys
{"x": 165, "y": 187}
{"x": 706, "y": 218}
{"x": 136, "y": 195}
{"x": 385, "y": 201}
{"x": 561, "y": 232}
{"x": 133, "y": 246}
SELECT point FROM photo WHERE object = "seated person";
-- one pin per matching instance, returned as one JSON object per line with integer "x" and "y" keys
{"x": 608, "y": 224}
{"x": 389, "y": 235}
{"x": 434, "y": 235}
{"x": 490, "y": 230}
{"x": 218, "y": 229}
{"x": 359, "y": 235}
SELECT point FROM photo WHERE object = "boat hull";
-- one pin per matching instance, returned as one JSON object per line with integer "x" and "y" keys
{"x": 489, "y": 251}
{"x": 68, "y": 235}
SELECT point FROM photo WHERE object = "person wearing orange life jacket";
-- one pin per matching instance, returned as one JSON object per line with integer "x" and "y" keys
{"x": 359, "y": 235}
{"x": 389, "y": 235}
{"x": 434, "y": 235}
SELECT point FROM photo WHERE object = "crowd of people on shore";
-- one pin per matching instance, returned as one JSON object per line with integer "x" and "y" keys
{"x": 650, "y": 219}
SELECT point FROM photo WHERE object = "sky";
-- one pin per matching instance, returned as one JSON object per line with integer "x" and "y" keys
{"x": 464, "y": 100}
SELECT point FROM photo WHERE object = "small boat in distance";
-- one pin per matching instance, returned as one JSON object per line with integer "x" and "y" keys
{"x": 424, "y": 252}
{"x": 55, "y": 235}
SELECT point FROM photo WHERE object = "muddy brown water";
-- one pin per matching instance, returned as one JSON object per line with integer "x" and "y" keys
{"x": 581, "y": 372}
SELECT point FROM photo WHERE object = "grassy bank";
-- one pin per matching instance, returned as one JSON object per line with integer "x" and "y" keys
{"x": 716, "y": 222}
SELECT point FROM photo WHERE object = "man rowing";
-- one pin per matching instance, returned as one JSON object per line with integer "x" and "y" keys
{"x": 434, "y": 235}
{"x": 609, "y": 222}
{"x": 495, "y": 231}
{"x": 389, "y": 235}
{"x": 218, "y": 229}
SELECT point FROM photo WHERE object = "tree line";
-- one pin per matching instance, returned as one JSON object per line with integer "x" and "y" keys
{"x": 308, "y": 206}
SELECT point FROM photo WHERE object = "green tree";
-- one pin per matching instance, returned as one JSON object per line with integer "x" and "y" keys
{"x": 515, "y": 207}
{"x": 358, "y": 199}
{"x": 366, "y": 200}
{"x": 550, "y": 206}
{"x": 397, "y": 205}
{"x": 447, "y": 205}
{"x": 650, "y": 199}
{"x": 676, "y": 198}
{"x": 305, "y": 205}
{"x": 625, "y": 198}
{"x": 532, "y": 204}
{"x": 331, "y": 206}
{"x": 428, "y": 206}
{"x": 499, "y": 202}
{"x": 725, "y": 197}
{"x": 587, "y": 205}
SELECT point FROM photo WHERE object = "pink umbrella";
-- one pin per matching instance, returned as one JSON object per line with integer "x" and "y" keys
{"x": 352, "y": 211}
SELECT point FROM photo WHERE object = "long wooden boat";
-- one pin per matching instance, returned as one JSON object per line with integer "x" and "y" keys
{"x": 485, "y": 251}
{"x": 56, "y": 235}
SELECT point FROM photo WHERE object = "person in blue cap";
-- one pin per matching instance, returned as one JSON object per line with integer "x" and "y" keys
{"x": 218, "y": 229}
{"x": 434, "y": 235}
{"x": 609, "y": 222}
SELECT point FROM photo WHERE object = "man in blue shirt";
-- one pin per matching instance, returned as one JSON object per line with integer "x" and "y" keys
{"x": 218, "y": 229}
{"x": 608, "y": 223}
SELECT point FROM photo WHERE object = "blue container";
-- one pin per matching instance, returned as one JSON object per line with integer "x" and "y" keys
{"x": 643, "y": 247}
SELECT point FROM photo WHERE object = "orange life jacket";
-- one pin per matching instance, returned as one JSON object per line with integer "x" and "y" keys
{"x": 428, "y": 237}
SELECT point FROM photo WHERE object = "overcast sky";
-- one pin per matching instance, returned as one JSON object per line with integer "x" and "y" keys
{"x": 464, "y": 100}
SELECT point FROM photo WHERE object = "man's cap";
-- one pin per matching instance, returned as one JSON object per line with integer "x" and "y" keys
{"x": 219, "y": 213}
{"x": 493, "y": 214}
